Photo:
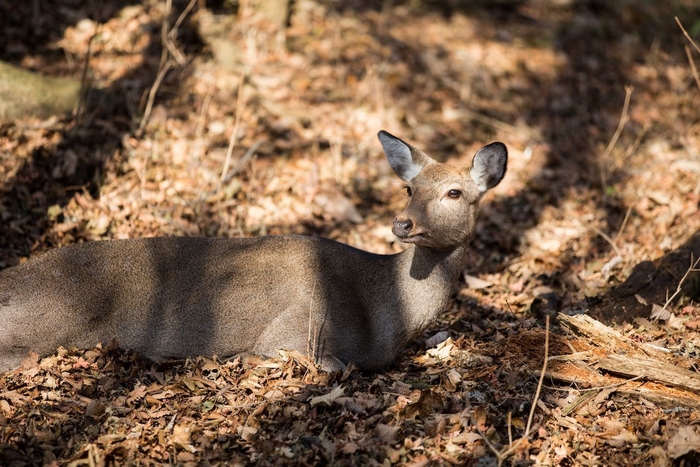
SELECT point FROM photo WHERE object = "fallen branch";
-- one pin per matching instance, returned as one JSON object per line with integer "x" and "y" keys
{"x": 652, "y": 370}
{"x": 615, "y": 355}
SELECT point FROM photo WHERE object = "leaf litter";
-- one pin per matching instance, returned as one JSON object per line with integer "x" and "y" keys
{"x": 572, "y": 222}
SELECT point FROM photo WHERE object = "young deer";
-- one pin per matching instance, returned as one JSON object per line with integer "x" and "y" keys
{"x": 179, "y": 297}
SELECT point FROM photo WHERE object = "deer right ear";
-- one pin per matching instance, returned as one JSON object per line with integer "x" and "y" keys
{"x": 406, "y": 161}
{"x": 489, "y": 166}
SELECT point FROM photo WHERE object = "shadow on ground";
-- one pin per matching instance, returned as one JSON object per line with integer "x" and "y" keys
{"x": 78, "y": 150}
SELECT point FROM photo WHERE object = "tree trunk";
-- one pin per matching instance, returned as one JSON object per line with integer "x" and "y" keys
{"x": 24, "y": 93}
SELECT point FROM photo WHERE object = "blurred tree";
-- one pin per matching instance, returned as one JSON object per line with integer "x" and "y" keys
{"x": 24, "y": 93}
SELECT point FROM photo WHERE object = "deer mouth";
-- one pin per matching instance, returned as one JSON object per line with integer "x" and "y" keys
{"x": 417, "y": 237}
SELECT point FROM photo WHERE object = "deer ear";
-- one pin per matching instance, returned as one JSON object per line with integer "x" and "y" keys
{"x": 489, "y": 166}
{"x": 406, "y": 160}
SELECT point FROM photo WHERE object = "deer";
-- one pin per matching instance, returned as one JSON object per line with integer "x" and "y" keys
{"x": 178, "y": 297}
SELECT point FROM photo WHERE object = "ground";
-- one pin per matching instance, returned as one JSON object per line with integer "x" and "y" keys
{"x": 599, "y": 213}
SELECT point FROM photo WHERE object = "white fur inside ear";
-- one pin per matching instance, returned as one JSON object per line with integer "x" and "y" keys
{"x": 478, "y": 174}
{"x": 400, "y": 158}
{"x": 411, "y": 171}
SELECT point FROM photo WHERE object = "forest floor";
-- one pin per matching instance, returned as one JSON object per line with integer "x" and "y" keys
{"x": 599, "y": 213}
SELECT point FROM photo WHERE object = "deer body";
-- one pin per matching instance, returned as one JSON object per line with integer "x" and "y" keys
{"x": 179, "y": 297}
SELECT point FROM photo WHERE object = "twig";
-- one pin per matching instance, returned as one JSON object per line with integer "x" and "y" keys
{"x": 493, "y": 448}
{"x": 222, "y": 391}
{"x": 203, "y": 112}
{"x": 181, "y": 18}
{"x": 510, "y": 428}
{"x": 499, "y": 268}
{"x": 152, "y": 94}
{"x": 234, "y": 135}
{"x": 544, "y": 369}
{"x": 687, "y": 52}
{"x": 495, "y": 123}
{"x": 503, "y": 455}
{"x": 169, "y": 50}
{"x": 637, "y": 140}
{"x": 85, "y": 89}
{"x": 607, "y": 238}
{"x": 171, "y": 423}
{"x": 622, "y": 226}
{"x": 692, "y": 268}
{"x": 241, "y": 162}
{"x": 624, "y": 118}
{"x": 685, "y": 33}
{"x": 692, "y": 66}
{"x": 163, "y": 67}
{"x": 171, "y": 36}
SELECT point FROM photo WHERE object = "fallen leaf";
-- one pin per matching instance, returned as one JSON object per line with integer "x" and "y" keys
{"x": 386, "y": 433}
{"x": 660, "y": 313}
{"x": 95, "y": 408}
{"x": 474, "y": 282}
{"x": 466, "y": 438}
{"x": 641, "y": 299}
{"x": 442, "y": 352}
{"x": 5, "y": 407}
{"x": 436, "y": 339}
{"x": 435, "y": 426}
{"x": 623, "y": 438}
{"x": 329, "y": 398}
{"x": 428, "y": 402}
{"x": 349, "y": 448}
{"x": 246, "y": 432}
{"x": 686, "y": 439}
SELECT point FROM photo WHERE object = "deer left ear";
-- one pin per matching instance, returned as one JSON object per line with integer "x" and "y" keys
{"x": 489, "y": 166}
{"x": 406, "y": 160}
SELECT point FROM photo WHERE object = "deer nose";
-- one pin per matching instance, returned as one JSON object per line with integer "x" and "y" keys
{"x": 402, "y": 227}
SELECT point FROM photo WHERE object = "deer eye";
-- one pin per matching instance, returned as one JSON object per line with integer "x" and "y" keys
{"x": 454, "y": 194}
{"x": 409, "y": 191}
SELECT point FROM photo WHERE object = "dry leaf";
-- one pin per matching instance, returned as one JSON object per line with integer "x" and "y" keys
{"x": 436, "y": 339}
{"x": 441, "y": 353}
{"x": 386, "y": 433}
{"x": 685, "y": 440}
{"x": 95, "y": 408}
{"x": 5, "y": 406}
{"x": 428, "y": 402}
{"x": 328, "y": 399}
{"x": 474, "y": 282}
{"x": 660, "y": 313}
{"x": 435, "y": 426}
{"x": 623, "y": 438}
{"x": 349, "y": 448}
{"x": 246, "y": 432}
{"x": 641, "y": 299}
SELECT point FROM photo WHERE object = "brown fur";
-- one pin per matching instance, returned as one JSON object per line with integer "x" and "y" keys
{"x": 179, "y": 297}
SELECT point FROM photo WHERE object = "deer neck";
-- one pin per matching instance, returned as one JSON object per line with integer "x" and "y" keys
{"x": 426, "y": 279}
